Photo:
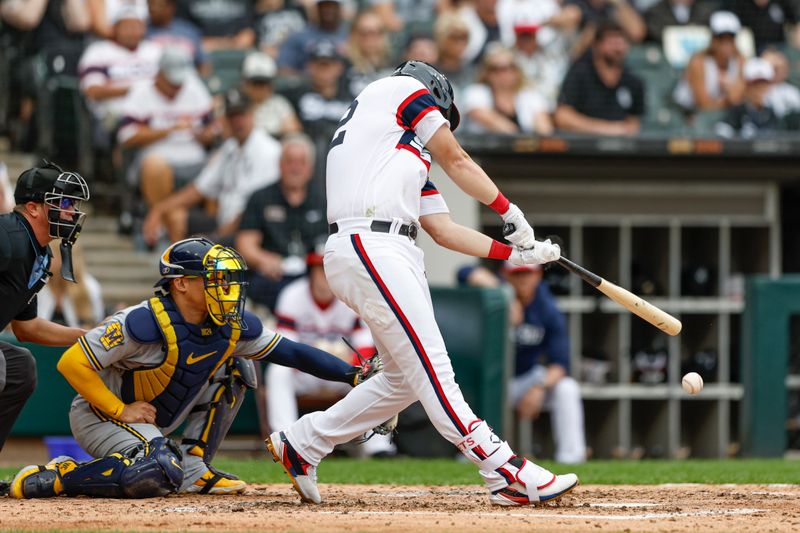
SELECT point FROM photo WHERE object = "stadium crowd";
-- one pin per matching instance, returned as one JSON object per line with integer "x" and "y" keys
{"x": 216, "y": 115}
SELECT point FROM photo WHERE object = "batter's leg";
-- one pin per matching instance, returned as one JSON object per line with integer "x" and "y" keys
{"x": 391, "y": 294}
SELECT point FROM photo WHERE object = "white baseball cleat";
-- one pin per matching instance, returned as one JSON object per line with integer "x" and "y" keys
{"x": 549, "y": 486}
{"x": 302, "y": 473}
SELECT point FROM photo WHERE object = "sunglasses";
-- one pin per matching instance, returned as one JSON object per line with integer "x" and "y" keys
{"x": 500, "y": 67}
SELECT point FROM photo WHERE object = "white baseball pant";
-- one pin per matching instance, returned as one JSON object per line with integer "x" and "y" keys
{"x": 564, "y": 403}
{"x": 382, "y": 278}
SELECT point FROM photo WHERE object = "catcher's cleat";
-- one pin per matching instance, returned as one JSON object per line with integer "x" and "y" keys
{"x": 217, "y": 482}
{"x": 302, "y": 474}
{"x": 41, "y": 481}
{"x": 549, "y": 487}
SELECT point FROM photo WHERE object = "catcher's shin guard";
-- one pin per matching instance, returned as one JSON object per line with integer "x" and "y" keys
{"x": 209, "y": 422}
{"x": 157, "y": 473}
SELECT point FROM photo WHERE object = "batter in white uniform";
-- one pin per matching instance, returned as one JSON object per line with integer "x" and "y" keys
{"x": 378, "y": 194}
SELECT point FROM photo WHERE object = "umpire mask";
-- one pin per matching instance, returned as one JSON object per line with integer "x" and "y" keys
{"x": 63, "y": 194}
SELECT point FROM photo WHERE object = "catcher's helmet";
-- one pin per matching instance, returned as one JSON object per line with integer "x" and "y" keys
{"x": 222, "y": 270}
{"x": 438, "y": 85}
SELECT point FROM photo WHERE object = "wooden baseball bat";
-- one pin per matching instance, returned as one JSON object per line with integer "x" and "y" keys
{"x": 636, "y": 305}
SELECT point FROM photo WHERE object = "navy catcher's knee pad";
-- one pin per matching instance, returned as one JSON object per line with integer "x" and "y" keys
{"x": 156, "y": 474}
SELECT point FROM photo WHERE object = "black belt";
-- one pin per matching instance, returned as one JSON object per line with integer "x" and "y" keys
{"x": 384, "y": 226}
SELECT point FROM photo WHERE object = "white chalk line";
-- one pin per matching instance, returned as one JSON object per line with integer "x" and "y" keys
{"x": 557, "y": 516}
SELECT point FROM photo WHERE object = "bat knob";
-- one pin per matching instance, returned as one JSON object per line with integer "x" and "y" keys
{"x": 508, "y": 229}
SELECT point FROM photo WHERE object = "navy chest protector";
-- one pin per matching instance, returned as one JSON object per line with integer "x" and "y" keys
{"x": 192, "y": 355}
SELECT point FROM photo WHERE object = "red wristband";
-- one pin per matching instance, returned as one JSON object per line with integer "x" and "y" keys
{"x": 499, "y": 250}
{"x": 500, "y": 204}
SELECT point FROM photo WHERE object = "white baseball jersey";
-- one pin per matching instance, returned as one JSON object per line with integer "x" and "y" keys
{"x": 394, "y": 117}
{"x": 303, "y": 319}
{"x": 106, "y": 61}
{"x": 145, "y": 105}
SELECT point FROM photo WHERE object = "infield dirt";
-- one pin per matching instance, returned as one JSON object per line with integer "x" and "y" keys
{"x": 369, "y": 508}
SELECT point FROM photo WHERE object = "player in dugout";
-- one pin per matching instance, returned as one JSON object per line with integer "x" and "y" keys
{"x": 184, "y": 355}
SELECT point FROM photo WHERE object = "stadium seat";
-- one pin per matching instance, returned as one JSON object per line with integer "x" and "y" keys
{"x": 648, "y": 62}
{"x": 226, "y": 70}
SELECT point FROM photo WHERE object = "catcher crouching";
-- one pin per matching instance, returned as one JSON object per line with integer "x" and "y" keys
{"x": 184, "y": 355}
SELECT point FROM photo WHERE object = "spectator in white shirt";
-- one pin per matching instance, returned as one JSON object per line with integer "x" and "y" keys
{"x": 169, "y": 122}
{"x": 273, "y": 113}
{"x": 246, "y": 162}
{"x": 108, "y": 68}
{"x": 500, "y": 102}
{"x": 782, "y": 97}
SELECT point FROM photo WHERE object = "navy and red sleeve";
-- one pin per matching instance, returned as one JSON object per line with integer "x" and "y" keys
{"x": 429, "y": 189}
{"x": 414, "y": 108}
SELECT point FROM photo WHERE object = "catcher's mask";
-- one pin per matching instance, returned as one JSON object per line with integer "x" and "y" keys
{"x": 222, "y": 270}
{"x": 438, "y": 85}
{"x": 63, "y": 194}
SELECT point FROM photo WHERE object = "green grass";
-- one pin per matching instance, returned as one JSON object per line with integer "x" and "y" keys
{"x": 446, "y": 472}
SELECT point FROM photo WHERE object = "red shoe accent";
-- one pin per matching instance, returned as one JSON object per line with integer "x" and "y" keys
{"x": 540, "y": 487}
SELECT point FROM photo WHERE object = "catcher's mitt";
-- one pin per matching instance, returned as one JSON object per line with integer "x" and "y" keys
{"x": 366, "y": 370}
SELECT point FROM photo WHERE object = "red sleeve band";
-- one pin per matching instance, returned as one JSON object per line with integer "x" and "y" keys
{"x": 499, "y": 250}
{"x": 500, "y": 204}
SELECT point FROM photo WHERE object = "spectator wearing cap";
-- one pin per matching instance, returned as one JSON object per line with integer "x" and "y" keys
{"x": 102, "y": 14}
{"x": 25, "y": 259}
{"x": 676, "y": 13}
{"x": 713, "y": 78}
{"x": 782, "y": 97}
{"x": 224, "y": 24}
{"x": 367, "y": 51}
{"x": 309, "y": 312}
{"x": 282, "y": 222}
{"x": 541, "y": 343}
{"x": 330, "y": 28}
{"x": 754, "y": 115}
{"x": 452, "y": 35}
{"x": 169, "y": 123}
{"x": 595, "y": 13}
{"x": 322, "y": 101}
{"x": 541, "y": 40}
{"x": 484, "y": 28}
{"x": 166, "y": 29}
{"x": 600, "y": 96}
{"x": 108, "y": 68}
{"x": 500, "y": 101}
{"x": 548, "y": 15}
{"x": 273, "y": 113}
{"x": 246, "y": 162}
{"x": 769, "y": 20}
{"x": 275, "y": 22}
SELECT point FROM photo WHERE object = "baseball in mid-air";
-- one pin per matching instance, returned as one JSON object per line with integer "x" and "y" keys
{"x": 692, "y": 383}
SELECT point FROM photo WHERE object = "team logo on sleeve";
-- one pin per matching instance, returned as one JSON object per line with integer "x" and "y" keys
{"x": 112, "y": 335}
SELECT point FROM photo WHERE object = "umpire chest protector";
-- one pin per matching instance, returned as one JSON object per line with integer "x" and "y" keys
{"x": 191, "y": 356}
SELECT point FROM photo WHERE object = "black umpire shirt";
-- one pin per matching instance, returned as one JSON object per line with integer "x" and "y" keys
{"x": 20, "y": 255}
{"x": 282, "y": 226}
{"x": 587, "y": 94}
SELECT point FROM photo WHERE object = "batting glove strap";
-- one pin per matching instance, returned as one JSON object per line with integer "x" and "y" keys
{"x": 523, "y": 235}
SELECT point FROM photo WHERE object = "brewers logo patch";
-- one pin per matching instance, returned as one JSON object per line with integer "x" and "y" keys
{"x": 112, "y": 335}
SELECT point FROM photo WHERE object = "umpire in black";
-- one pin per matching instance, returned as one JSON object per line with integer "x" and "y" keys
{"x": 48, "y": 202}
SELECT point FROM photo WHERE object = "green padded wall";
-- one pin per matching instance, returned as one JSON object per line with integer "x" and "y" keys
{"x": 765, "y": 357}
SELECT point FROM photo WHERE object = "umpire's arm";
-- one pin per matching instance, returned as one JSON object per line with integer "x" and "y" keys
{"x": 41, "y": 331}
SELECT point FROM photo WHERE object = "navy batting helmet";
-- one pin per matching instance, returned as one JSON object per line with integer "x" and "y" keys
{"x": 222, "y": 270}
{"x": 438, "y": 85}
